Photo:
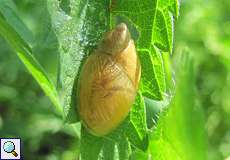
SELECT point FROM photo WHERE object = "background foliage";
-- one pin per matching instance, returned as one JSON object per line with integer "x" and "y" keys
{"x": 202, "y": 82}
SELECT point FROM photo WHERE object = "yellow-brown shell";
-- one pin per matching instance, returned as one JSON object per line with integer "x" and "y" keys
{"x": 108, "y": 82}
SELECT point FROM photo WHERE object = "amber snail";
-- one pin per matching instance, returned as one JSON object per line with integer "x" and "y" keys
{"x": 108, "y": 82}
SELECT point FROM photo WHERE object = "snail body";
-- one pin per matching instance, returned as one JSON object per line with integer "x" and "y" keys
{"x": 108, "y": 82}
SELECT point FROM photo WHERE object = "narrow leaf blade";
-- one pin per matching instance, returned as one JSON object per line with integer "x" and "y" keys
{"x": 25, "y": 54}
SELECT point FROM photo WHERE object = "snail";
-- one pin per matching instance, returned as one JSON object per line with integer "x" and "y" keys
{"x": 108, "y": 82}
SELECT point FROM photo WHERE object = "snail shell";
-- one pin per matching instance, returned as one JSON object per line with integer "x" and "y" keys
{"x": 108, "y": 82}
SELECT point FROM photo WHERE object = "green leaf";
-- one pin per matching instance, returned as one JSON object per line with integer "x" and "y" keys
{"x": 113, "y": 146}
{"x": 114, "y": 150}
{"x": 180, "y": 132}
{"x": 162, "y": 30}
{"x": 171, "y": 5}
{"x": 152, "y": 79}
{"x": 140, "y": 155}
{"x": 148, "y": 22}
{"x": 109, "y": 150}
{"x": 154, "y": 20}
{"x": 79, "y": 27}
{"x": 90, "y": 147}
{"x": 136, "y": 130}
{"x": 124, "y": 149}
{"x": 78, "y": 32}
{"x": 14, "y": 21}
{"x": 137, "y": 116}
{"x": 141, "y": 14}
{"x": 25, "y": 54}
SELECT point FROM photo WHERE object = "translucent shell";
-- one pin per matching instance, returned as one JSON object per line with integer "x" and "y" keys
{"x": 108, "y": 82}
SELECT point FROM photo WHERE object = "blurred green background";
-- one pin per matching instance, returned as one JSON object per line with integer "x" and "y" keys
{"x": 203, "y": 29}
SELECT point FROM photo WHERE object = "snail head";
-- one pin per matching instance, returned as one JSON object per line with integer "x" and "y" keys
{"x": 116, "y": 40}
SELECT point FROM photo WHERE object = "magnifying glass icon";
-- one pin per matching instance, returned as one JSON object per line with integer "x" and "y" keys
{"x": 9, "y": 147}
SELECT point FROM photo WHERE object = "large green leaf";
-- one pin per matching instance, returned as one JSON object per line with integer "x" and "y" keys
{"x": 79, "y": 26}
{"x": 136, "y": 129}
{"x": 78, "y": 32}
{"x": 90, "y": 145}
{"x": 152, "y": 79}
{"x": 154, "y": 21}
{"x": 24, "y": 52}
